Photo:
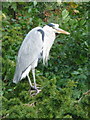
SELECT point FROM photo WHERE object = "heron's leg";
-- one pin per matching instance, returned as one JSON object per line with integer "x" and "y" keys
{"x": 29, "y": 80}
{"x": 33, "y": 73}
{"x": 35, "y": 87}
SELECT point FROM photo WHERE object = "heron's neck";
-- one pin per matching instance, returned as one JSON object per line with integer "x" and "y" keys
{"x": 48, "y": 30}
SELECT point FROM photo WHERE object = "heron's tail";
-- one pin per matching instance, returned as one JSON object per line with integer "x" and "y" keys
{"x": 16, "y": 79}
{"x": 17, "y": 76}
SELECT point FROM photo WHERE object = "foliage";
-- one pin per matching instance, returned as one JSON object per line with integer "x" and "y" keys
{"x": 64, "y": 79}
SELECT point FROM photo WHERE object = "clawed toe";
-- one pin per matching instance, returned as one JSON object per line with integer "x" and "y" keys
{"x": 37, "y": 91}
{"x": 34, "y": 91}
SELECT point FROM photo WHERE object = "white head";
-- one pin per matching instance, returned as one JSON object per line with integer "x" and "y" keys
{"x": 56, "y": 29}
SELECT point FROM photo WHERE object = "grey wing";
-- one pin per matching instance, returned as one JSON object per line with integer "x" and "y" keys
{"x": 28, "y": 52}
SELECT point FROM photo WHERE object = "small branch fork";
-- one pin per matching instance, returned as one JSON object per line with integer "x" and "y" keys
{"x": 84, "y": 94}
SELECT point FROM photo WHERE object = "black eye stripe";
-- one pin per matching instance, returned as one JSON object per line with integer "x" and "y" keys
{"x": 51, "y": 25}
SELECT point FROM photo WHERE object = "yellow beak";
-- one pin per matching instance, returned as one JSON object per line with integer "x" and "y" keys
{"x": 62, "y": 31}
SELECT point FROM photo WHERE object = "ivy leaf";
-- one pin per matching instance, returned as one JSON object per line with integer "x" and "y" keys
{"x": 75, "y": 73}
{"x": 65, "y": 13}
{"x": 82, "y": 22}
{"x": 14, "y": 6}
{"x": 35, "y": 3}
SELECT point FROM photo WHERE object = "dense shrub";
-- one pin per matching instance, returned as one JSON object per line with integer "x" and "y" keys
{"x": 64, "y": 81}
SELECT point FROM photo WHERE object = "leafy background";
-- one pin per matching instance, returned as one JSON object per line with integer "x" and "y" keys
{"x": 64, "y": 81}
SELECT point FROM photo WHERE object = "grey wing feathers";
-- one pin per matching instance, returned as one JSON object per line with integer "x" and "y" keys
{"x": 28, "y": 52}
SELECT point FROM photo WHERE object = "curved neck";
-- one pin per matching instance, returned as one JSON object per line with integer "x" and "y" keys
{"x": 49, "y": 31}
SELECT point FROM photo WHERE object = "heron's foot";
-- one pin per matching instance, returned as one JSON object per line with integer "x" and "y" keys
{"x": 34, "y": 90}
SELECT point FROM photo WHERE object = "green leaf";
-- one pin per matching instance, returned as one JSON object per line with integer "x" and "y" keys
{"x": 9, "y": 90}
{"x": 6, "y": 4}
{"x": 82, "y": 22}
{"x": 86, "y": 44}
{"x": 75, "y": 73}
{"x": 35, "y": 3}
{"x": 82, "y": 76}
{"x": 29, "y": 10}
{"x": 65, "y": 13}
{"x": 14, "y": 6}
{"x": 66, "y": 19}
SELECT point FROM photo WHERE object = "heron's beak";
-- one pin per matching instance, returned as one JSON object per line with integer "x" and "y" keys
{"x": 62, "y": 31}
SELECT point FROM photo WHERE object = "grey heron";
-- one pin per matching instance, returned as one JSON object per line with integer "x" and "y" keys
{"x": 36, "y": 45}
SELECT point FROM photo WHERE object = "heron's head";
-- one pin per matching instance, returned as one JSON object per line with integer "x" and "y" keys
{"x": 56, "y": 29}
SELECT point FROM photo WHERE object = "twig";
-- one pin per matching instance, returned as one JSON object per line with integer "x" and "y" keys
{"x": 84, "y": 94}
{"x": 29, "y": 105}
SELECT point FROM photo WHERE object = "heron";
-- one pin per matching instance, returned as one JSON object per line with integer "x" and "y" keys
{"x": 35, "y": 46}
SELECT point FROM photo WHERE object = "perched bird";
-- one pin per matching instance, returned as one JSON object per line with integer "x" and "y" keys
{"x": 36, "y": 45}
